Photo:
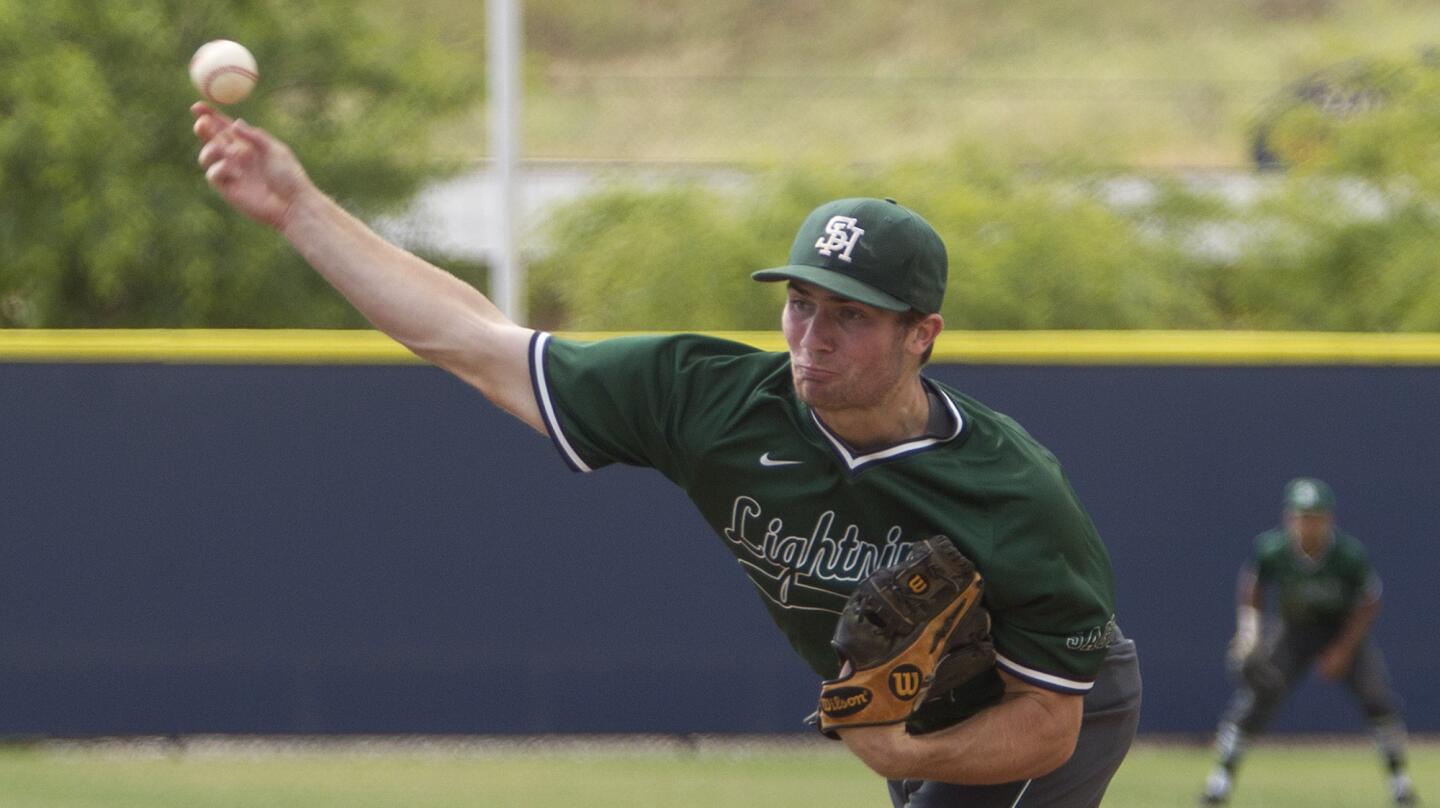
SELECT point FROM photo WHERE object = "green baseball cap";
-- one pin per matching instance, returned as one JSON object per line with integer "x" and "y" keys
{"x": 1309, "y": 494}
{"x": 876, "y": 251}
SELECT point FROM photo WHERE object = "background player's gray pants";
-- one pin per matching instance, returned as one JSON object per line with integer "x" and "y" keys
{"x": 1294, "y": 649}
{"x": 1112, "y": 710}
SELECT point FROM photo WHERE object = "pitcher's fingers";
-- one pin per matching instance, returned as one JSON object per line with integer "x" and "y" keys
{"x": 229, "y": 162}
{"x": 219, "y": 173}
{"x": 208, "y": 121}
{"x": 207, "y": 128}
{"x": 214, "y": 150}
{"x": 200, "y": 109}
{"x": 256, "y": 138}
{"x": 236, "y": 153}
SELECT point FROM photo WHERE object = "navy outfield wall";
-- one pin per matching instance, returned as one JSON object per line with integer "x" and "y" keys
{"x": 372, "y": 548}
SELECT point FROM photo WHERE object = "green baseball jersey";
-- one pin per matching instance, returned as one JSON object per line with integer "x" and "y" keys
{"x": 1314, "y": 590}
{"x": 808, "y": 517}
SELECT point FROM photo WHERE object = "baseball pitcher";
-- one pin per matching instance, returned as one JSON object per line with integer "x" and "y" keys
{"x": 922, "y": 553}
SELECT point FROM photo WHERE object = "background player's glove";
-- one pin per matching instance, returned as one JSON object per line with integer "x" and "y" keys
{"x": 905, "y": 624}
{"x": 1261, "y": 674}
{"x": 1248, "y": 657}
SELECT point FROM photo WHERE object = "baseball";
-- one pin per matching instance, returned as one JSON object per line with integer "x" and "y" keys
{"x": 223, "y": 71}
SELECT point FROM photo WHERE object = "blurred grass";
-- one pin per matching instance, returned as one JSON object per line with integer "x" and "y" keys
{"x": 1163, "y": 82}
{"x": 774, "y": 772}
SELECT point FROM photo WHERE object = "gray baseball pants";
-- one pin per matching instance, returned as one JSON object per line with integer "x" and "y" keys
{"x": 1112, "y": 711}
{"x": 1294, "y": 650}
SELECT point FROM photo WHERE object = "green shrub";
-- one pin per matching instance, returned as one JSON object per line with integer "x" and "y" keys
{"x": 1023, "y": 253}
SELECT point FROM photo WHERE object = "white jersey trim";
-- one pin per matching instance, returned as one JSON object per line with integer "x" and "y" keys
{"x": 547, "y": 405}
{"x": 855, "y": 462}
{"x": 1047, "y": 680}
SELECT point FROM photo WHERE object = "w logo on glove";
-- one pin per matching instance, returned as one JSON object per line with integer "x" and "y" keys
{"x": 905, "y": 682}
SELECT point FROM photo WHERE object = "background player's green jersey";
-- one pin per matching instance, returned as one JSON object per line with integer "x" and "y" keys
{"x": 1314, "y": 590}
{"x": 808, "y": 517}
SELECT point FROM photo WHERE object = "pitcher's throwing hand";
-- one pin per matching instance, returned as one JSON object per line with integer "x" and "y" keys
{"x": 255, "y": 172}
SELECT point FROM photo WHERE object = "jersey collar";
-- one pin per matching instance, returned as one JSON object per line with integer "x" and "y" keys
{"x": 858, "y": 461}
{"x": 1305, "y": 559}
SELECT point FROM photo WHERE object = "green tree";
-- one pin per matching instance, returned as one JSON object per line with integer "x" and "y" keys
{"x": 105, "y": 218}
{"x": 1348, "y": 244}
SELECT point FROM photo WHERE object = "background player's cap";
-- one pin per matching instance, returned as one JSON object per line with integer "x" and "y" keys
{"x": 1309, "y": 494}
{"x": 875, "y": 251}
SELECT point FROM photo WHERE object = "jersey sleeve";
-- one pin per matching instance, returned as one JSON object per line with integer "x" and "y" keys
{"x": 625, "y": 400}
{"x": 1054, "y": 620}
{"x": 1364, "y": 579}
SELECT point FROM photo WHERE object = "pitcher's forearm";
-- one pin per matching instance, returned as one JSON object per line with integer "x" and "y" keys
{"x": 439, "y": 317}
{"x": 420, "y": 305}
{"x": 1027, "y": 735}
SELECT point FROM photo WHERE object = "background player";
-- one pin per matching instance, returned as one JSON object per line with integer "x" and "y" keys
{"x": 815, "y": 467}
{"x": 1327, "y": 597}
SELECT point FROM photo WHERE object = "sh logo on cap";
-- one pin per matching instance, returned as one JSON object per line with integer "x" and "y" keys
{"x": 841, "y": 236}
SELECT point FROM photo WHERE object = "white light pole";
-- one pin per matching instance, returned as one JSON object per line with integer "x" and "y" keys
{"x": 502, "y": 34}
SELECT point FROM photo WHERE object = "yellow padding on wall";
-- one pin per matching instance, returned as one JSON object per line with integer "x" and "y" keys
{"x": 320, "y": 347}
{"x": 200, "y": 346}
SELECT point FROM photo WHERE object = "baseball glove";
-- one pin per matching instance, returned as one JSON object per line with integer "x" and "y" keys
{"x": 902, "y": 625}
{"x": 1250, "y": 660}
{"x": 1261, "y": 673}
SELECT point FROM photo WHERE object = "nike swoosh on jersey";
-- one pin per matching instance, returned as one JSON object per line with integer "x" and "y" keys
{"x": 767, "y": 460}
